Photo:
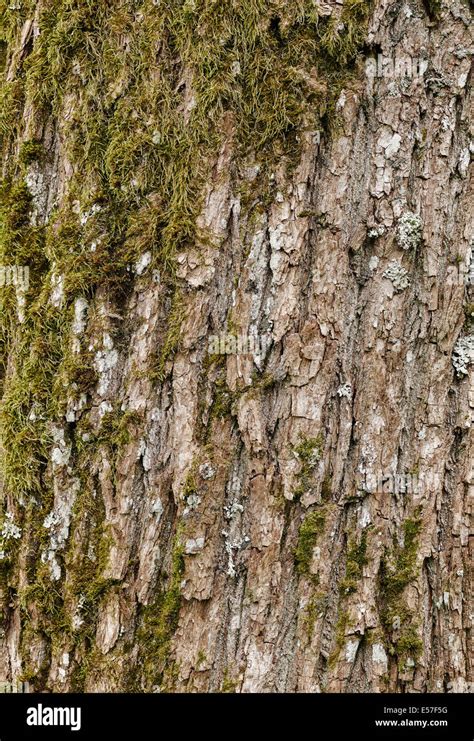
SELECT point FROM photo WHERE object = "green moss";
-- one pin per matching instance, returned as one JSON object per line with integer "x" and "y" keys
{"x": 355, "y": 561}
{"x": 43, "y": 614}
{"x": 308, "y": 452}
{"x": 87, "y": 584}
{"x": 158, "y": 624}
{"x": 341, "y": 39}
{"x": 139, "y": 143}
{"x": 263, "y": 381}
{"x": 409, "y": 644}
{"x": 11, "y": 105}
{"x": 223, "y": 400}
{"x": 3, "y": 55}
{"x": 16, "y": 207}
{"x": 398, "y": 570}
{"x": 201, "y": 658}
{"x": 47, "y": 606}
{"x": 310, "y": 529}
{"x": 30, "y": 151}
{"x": 76, "y": 373}
{"x": 117, "y": 427}
{"x": 190, "y": 486}
{"x": 339, "y": 637}
{"x": 26, "y": 436}
{"x": 315, "y": 606}
{"x": 229, "y": 685}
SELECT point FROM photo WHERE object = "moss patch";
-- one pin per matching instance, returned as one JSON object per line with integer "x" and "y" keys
{"x": 158, "y": 625}
{"x": 30, "y": 151}
{"x": 310, "y": 530}
{"x": 398, "y": 570}
{"x": 315, "y": 606}
{"x": 229, "y": 685}
{"x": 355, "y": 561}
{"x": 308, "y": 452}
{"x": 339, "y": 637}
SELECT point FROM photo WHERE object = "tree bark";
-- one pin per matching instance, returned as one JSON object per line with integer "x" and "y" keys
{"x": 237, "y": 374}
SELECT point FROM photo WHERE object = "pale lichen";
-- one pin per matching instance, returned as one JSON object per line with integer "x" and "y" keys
{"x": 398, "y": 276}
{"x": 463, "y": 355}
{"x": 409, "y": 231}
{"x": 9, "y": 528}
{"x": 8, "y": 531}
{"x": 105, "y": 361}
{"x": 345, "y": 391}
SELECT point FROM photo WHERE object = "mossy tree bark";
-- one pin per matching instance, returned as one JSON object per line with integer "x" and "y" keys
{"x": 181, "y": 519}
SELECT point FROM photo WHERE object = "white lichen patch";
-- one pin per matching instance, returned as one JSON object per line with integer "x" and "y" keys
{"x": 79, "y": 322}
{"x": 463, "y": 355}
{"x": 94, "y": 209}
{"x": 157, "y": 509}
{"x": 393, "y": 146}
{"x": 20, "y": 302}
{"x": 206, "y": 471}
{"x": 379, "y": 656}
{"x": 470, "y": 266}
{"x": 9, "y": 529}
{"x": 364, "y": 516}
{"x": 373, "y": 263}
{"x": 409, "y": 231}
{"x": 232, "y": 509}
{"x": 341, "y": 101}
{"x": 464, "y": 162}
{"x": 351, "y": 650}
{"x": 57, "y": 290}
{"x": 142, "y": 264}
{"x": 377, "y": 231}
{"x": 345, "y": 391}
{"x": 192, "y": 503}
{"x": 61, "y": 451}
{"x": 38, "y": 188}
{"x": 398, "y": 275}
{"x": 234, "y": 537}
{"x": 58, "y": 522}
{"x": 77, "y": 619}
{"x": 75, "y": 407}
{"x": 231, "y": 546}
{"x": 193, "y": 546}
{"x": 105, "y": 361}
{"x": 104, "y": 408}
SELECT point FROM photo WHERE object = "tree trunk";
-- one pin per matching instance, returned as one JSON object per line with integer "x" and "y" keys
{"x": 237, "y": 380}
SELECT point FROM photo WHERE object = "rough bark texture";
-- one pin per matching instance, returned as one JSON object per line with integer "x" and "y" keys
{"x": 178, "y": 519}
